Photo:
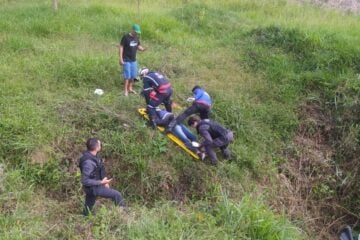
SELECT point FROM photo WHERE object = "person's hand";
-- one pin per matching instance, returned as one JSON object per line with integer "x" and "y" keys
{"x": 190, "y": 99}
{"x": 121, "y": 62}
{"x": 106, "y": 181}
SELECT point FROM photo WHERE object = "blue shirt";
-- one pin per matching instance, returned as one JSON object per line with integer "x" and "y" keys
{"x": 202, "y": 97}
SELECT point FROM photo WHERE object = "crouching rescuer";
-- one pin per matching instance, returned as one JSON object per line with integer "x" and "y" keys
{"x": 201, "y": 103}
{"x": 157, "y": 90}
{"x": 95, "y": 183}
{"x": 214, "y": 135}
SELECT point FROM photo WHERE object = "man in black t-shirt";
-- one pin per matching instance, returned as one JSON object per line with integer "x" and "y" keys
{"x": 129, "y": 45}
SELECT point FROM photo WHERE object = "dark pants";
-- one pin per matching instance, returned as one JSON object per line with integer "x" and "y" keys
{"x": 164, "y": 121}
{"x": 202, "y": 109}
{"x": 155, "y": 101}
{"x": 222, "y": 143}
{"x": 100, "y": 191}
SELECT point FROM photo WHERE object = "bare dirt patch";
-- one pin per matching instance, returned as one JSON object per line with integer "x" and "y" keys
{"x": 343, "y": 5}
{"x": 309, "y": 180}
{"x": 39, "y": 156}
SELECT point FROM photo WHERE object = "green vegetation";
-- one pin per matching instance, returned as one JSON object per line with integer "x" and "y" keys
{"x": 277, "y": 72}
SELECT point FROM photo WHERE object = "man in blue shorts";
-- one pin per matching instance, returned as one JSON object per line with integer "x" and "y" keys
{"x": 129, "y": 45}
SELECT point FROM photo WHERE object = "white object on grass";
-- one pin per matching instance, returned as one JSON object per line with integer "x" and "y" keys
{"x": 99, "y": 91}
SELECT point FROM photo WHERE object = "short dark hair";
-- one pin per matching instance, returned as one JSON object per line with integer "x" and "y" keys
{"x": 92, "y": 143}
{"x": 195, "y": 87}
{"x": 192, "y": 120}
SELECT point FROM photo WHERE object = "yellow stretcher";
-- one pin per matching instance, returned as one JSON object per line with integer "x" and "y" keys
{"x": 172, "y": 137}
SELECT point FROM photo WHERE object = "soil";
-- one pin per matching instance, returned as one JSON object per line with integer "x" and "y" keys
{"x": 303, "y": 190}
{"x": 343, "y": 5}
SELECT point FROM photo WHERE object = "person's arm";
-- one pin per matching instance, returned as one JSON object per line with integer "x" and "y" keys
{"x": 197, "y": 94}
{"x": 121, "y": 50}
{"x": 147, "y": 88}
{"x": 204, "y": 132}
{"x": 141, "y": 48}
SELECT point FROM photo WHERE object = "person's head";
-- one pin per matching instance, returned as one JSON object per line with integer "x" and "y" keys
{"x": 143, "y": 71}
{"x": 195, "y": 87}
{"x": 93, "y": 145}
{"x": 193, "y": 121}
{"x": 136, "y": 29}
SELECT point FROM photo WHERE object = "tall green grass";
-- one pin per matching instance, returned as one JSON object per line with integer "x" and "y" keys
{"x": 247, "y": 218}
{"x": 225, "y": 219}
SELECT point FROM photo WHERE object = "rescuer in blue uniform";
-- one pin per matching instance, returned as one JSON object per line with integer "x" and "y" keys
{"x": 201, "y": 103}
{"x": 157, "y": 90}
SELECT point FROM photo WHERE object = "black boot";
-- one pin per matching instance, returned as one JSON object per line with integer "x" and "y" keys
{"x": 226, "y": 153}
{"x": 153, "y": 123}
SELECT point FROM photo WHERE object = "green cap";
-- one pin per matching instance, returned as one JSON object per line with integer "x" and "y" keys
{"x": 136, "y": 28}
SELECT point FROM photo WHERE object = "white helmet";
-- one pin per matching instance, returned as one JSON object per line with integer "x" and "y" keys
{"x": 143, "y": 71}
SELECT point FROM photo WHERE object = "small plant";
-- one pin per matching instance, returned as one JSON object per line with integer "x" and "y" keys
{"x": 161, "y": 145}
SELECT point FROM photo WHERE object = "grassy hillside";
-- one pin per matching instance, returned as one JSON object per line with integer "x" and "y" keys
{"x": 277, "y": 71}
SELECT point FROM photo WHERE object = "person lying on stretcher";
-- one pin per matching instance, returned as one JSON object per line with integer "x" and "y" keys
{"x": 180, "y": 131}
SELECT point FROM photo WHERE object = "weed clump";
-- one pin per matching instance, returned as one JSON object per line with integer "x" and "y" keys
{"x": 323, "y": 69}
